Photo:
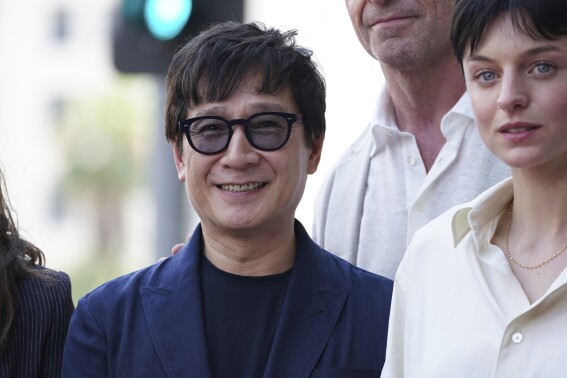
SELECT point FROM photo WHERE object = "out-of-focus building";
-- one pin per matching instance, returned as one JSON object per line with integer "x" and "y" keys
{"x": 65, "y": 122}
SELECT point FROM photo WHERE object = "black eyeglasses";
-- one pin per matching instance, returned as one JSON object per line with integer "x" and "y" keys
{"x": 266, "y": 131}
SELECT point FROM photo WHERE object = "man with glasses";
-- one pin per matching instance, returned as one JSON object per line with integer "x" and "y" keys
{"x": 250, "y": 295}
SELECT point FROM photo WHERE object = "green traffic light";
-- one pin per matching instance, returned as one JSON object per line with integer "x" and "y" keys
{"x": 165, "y": 19}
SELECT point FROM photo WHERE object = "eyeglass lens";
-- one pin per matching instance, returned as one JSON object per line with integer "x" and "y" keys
{"x": 263, "y": 131}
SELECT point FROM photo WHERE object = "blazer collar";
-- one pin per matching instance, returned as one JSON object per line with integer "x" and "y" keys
{"x": 174, "y": 312}
{"x": 311, "y": 309}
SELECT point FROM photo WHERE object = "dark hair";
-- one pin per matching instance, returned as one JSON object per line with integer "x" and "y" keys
{"x": 212, "y": 65}
{"x": 538, "y": 19}
{"x": 17, "y": 258}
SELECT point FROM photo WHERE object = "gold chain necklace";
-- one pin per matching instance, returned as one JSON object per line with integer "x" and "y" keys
{"x": 519, "y": 263}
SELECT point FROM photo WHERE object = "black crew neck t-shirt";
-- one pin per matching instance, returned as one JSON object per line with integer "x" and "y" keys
{"x": 241, "y": 316}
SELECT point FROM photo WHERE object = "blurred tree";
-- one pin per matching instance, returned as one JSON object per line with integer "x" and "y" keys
{"x": 105, "y": 143}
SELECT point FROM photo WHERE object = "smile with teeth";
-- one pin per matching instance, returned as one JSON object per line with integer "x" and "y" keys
{"x": 519, "y": 129}
{"x": 242, "y": 188}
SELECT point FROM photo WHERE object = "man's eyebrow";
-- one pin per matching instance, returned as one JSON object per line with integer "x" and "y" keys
{"x": 529, "y": 52}
{"x": 266, "y": 107}
{"x": 252, "y": 108}
{"x": 209, "y": 110}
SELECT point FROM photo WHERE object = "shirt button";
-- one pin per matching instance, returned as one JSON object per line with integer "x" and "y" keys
{"x": 411, "y": 161}
{"x": 517, "y": 337}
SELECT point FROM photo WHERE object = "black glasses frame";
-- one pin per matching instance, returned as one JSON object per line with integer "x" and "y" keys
{"x": 290, "y": 118}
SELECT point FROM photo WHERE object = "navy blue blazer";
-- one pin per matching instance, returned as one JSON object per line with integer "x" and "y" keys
{"x": 37, "y": 336}
{"x": 150, "y": 323}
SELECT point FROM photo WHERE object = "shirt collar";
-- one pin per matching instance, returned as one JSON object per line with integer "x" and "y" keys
{"x": 460, "y": 114}
{"x": 383, "y": 123}
{"x": 483, "y": 209}
{"x": 383, "y": 114}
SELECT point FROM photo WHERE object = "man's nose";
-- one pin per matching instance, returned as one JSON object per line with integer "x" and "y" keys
{"x": 240, "y": 152}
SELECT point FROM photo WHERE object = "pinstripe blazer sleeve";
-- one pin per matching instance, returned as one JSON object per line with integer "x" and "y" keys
{"x": 37, "y": 337}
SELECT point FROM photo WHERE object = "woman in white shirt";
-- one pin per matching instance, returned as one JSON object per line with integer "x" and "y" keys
{"x": 482, "y": 290}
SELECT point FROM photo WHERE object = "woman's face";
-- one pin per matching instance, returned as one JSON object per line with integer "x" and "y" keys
{"x": 518, "y": 89}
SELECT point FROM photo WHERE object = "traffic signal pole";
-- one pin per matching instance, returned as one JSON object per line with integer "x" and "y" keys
{"x": 169, "y": 194}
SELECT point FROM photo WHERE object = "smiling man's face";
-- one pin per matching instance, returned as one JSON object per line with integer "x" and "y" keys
{"x": 243, "y": 189}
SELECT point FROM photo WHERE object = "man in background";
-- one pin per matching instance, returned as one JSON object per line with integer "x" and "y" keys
{"x": 420, "y": 154}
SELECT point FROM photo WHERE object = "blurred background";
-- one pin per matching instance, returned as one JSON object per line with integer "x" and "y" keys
{"x": 87, "y": 167}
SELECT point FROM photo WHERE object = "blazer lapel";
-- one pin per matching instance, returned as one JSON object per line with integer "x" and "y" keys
{"x": 174, "y": 314}
{"x": 311, "y": 309}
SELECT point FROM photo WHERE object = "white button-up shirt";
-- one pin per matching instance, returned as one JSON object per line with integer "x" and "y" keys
{"x": 378, "y": 194}
{"x": 402, "y": 197}
{"x": 459, "y": 311}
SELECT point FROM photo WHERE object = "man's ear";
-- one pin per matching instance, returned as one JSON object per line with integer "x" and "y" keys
{"x": 179, "y": 163}
{"x": 315, "y": 157}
